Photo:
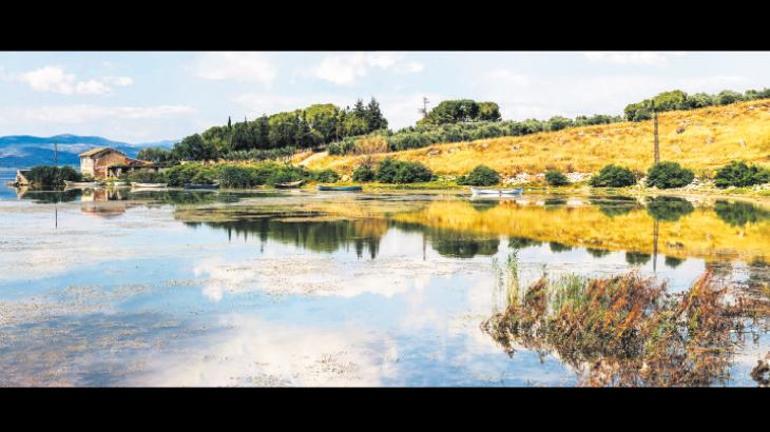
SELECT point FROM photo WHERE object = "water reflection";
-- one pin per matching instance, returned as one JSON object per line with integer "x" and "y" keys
{"x": 628, "y": 330}
{"x": 668, "y": 209}
{"x": 740, "y": 213}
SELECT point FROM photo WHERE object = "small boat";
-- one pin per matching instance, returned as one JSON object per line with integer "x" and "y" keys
{"x": 340, "y": 188}
{"x": 149, "y": 185}
{"x": 289, "y": 185}
{"x": 74, "y": 184}
{"x": 207, "y": 186}
{"x": 499, "y": 192}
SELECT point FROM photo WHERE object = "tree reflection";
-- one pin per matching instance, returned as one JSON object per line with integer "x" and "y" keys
{"x": 740, "y": 213}
{"x": 668, "y": 209}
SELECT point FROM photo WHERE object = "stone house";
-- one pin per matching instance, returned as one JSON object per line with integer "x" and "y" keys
{"x": 105, "y": 162}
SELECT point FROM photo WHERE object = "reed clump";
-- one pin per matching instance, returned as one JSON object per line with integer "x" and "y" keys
{"x": 628, "y": 330}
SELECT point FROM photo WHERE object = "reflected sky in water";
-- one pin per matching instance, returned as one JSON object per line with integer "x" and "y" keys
{"x": 169, "y": 288}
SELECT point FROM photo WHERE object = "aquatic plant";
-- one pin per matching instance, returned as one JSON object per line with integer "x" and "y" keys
{"x": 628, "y": 330}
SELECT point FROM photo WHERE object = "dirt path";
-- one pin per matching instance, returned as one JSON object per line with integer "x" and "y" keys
{"x": 313, "y": 157}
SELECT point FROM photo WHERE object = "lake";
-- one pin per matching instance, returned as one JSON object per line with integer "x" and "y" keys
{"x": 176, "y": 288}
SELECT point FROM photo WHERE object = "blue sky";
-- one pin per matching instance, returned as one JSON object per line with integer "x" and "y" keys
{"x": 149, "y": 96}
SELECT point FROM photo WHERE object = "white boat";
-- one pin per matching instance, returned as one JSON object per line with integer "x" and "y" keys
{"x": 74, "y": 184}
{"x": 499, "y": 192}
{"x": 138, "y": 185}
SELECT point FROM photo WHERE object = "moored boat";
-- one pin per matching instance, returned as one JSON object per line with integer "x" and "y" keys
{"x": 340, "y": 188}
{"x": 149, "y": 185}
{"x": 499, "y": 192}
{"x": 74, "y": 184}
{"x": 207, "y": 186}
{"x": 289, "y": 185}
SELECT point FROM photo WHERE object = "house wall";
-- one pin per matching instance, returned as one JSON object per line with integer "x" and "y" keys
{"x": 87, "y": 166}
{"x": 105, "y": 160}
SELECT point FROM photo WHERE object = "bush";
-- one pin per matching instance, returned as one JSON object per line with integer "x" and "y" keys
{"x": 144, "y": 176}
{"x": 666, "y": 175}
{"x": 326, "y": 176}
{"x": 482, "y": 175}
{"x": 393, "y": 171}
{"x": 44, "y": 176}
{"x": 556, "y": 178}
{"x": 364, "y": 173}
{"x": 739, "y": 174}
{"x": 613, "y": 176}
{"x": 178, "y": 175}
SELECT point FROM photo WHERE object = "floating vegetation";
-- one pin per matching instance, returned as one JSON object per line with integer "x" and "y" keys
{"x": 628, "y": 330}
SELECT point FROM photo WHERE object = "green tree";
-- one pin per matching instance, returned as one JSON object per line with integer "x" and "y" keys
{"x": 194, "y": 147}
{"x": 374, "y": 117}
{"x": 613, "y": 176}
{"x": 666, "y": 175}
{"x": 739, "y": 174}
{"x": 481, "y": 175}
{"x": 556, "y": 178}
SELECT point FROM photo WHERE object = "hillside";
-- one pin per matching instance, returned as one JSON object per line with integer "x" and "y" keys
{"x": 701, "y": 139}
{"x": 19, "y": 151}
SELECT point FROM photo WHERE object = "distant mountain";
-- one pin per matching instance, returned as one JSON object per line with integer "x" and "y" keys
{"x": 22, "y": 151}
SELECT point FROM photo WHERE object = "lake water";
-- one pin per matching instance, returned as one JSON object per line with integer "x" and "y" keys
{"x": 175, "y": 288}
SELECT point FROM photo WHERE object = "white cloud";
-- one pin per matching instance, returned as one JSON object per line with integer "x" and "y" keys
{"x": 633, "y": 58}
{"x": 54, "y": 79}
{"x": 237, "y": 66}
{"x": 72, "y": 114}
{"x": 346, "y": 69}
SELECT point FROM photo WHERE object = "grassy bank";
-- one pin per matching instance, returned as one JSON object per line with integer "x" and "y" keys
{"x": 702, "y": 139}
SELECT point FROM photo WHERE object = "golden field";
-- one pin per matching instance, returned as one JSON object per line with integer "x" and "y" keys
{"x": 702, "y": 140}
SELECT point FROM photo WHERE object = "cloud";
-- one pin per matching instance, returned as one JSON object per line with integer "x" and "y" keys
{"x": 54, "y": 79}
{"x": 633, "y": 58}
{"x": 346, "y": 69}
{"x": 236, "y": 66}
{"x": 72, "y": 114}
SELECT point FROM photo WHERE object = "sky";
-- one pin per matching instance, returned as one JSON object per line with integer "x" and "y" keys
{"x": 143, "y": 97}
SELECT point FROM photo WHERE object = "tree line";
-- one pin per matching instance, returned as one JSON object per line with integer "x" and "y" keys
{"x": 677, "y": 100}
{"x": 364, "y": 129}
{"x": 267, "y": 137}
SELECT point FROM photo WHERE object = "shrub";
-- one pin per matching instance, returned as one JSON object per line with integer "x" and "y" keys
{"x": 145, "y": 176}
{"x": 739, "y": 174}
{"x": 242, "y": 177}
{"x": 393, "y": 171}
{"x": 44, "y": 176}
{"x": 482, "y": 175}
{"x": 666, "y": 175}
{"x": 178, "y": 175}
{"x": 556, "y": 178}
{"x": 613, "y": 176}
{"x": 326, "y": 176}
{"x": 364, "y": 173}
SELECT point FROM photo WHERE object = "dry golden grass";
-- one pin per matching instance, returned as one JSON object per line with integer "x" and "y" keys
{"x": 711, "y": 137}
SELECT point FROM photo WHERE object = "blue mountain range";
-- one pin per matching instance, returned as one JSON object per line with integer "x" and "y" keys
{"x": 24, "y": 151}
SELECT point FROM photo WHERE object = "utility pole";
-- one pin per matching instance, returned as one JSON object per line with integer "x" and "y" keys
{"x": 424, "y": 109}
{"x": 655, "y": 128}
{"x": 56, "y": 154}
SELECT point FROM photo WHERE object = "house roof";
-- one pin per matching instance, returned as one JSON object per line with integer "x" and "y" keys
{"x": 98, "y": 150}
